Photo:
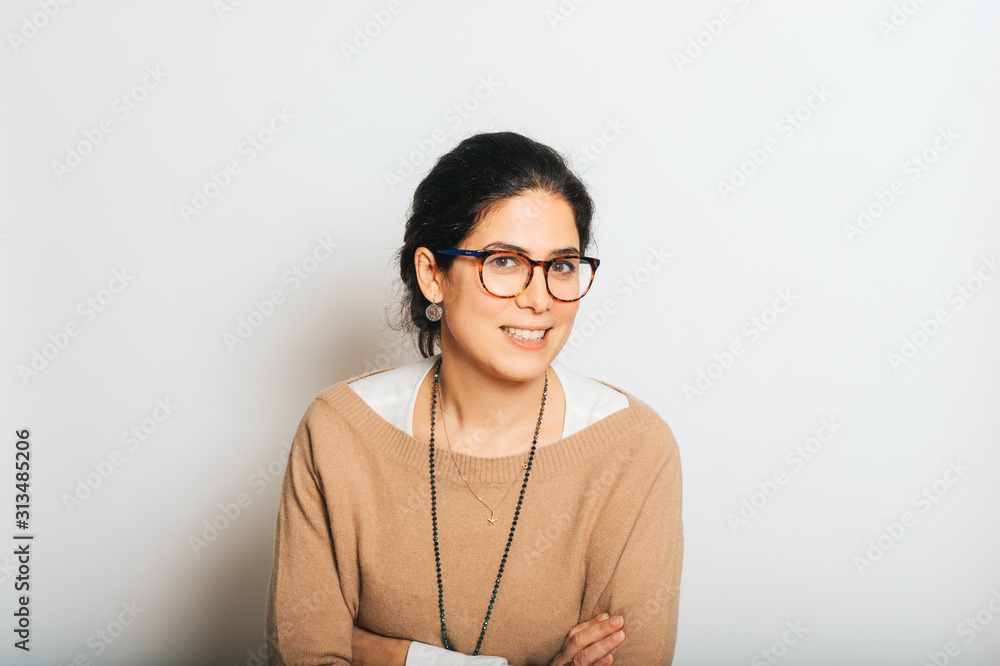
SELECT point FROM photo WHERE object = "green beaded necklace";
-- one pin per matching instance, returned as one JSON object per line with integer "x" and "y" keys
{"x": 437, "y": 557}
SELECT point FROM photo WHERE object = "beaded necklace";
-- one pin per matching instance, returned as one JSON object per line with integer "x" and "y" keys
{"x": 437, "y": 557}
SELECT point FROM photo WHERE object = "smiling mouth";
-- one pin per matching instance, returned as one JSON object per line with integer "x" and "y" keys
{"x": 525, "y": 334}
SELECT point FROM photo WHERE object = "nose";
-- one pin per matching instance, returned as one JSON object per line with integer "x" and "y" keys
{"x": 536, "y": 296}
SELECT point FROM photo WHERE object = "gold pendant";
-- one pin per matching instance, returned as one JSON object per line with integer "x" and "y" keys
{"x": 492, "y": 518}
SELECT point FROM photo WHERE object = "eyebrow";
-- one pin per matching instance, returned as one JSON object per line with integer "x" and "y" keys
{"x": 514, "y": 248}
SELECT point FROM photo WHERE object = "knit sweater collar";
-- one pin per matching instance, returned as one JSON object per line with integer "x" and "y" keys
{"x": 600, "y": 438}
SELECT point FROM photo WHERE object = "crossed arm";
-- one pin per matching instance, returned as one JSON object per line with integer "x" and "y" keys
{"x": 587, "y": 644}
{"x": 371, "y": 649}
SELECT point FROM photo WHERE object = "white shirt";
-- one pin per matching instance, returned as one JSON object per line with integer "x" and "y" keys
{"x": 393, "y": 395}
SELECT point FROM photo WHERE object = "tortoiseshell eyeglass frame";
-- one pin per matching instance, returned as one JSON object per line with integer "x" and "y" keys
{"x": 482, "y": 255}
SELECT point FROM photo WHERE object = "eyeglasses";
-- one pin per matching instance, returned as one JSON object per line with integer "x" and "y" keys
{"x": 506, "y": 274}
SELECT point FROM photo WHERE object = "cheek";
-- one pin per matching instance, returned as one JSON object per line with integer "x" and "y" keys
{"x": 565, "y": 319}
{"x": 567, "y": 313}
{"x": 476, "y": 312}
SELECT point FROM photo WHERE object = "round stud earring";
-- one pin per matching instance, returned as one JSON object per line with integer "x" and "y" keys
{"x": 434, "y": 311}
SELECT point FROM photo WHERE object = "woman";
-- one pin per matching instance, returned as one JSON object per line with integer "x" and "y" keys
{"x": 402, "y": 537}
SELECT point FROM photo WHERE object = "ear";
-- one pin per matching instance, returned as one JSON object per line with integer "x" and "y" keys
{"x": 430, "y": 277}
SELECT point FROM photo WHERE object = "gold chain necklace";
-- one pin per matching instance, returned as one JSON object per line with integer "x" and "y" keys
{"x": 492, "y": 519}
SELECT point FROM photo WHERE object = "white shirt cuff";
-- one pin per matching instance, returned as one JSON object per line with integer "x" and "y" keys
{"x": 422, "y": 654}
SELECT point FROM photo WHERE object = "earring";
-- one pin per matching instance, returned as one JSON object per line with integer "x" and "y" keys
{"x": 434, "y": 311}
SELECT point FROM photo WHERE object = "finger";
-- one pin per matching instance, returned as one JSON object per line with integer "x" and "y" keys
{"x": 594, "y": 631}
{"x": 588, "y": 623}
{"x": 583, "y": 641}
{"x": 593, "y": 654}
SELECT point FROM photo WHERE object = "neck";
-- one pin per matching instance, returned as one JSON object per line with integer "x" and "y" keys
{"x": 487, "y": 414}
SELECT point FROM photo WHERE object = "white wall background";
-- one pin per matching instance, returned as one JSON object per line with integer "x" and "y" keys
{"x": 662, "y": 134}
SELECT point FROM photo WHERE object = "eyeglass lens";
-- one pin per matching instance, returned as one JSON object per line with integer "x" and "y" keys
{"x": 505, "y": 274}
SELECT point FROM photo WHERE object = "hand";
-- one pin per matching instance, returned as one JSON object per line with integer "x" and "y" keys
{"x": 591, "y": 643}
{"x": 371, "y": 649}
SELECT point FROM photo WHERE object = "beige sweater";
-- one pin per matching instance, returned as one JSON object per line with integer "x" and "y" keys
{"x": 599, "y": 531}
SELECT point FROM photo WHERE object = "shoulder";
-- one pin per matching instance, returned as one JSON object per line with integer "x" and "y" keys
{"x": 646, "y": 465}
{"x": 333, "y": 413}
{"x": 396, "y": 382}
{"x": 331, "y": 434}
{"x": 647, "y": 436}
{"x": 365, "y": 406}
{"x": 376, "y": 387}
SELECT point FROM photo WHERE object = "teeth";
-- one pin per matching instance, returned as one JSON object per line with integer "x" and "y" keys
{"x": 522, "y": 333}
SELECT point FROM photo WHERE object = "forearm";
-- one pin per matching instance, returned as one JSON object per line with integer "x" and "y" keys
{"x": 371, "y": 649}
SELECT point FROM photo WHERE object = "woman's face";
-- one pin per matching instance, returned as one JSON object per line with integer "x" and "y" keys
{"x": 541, "y": 225}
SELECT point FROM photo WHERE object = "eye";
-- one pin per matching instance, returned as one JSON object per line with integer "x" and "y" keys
{"x": 498, "y": 261}
{"x": 504, "y": 262}
{"x": 565, "y": 266}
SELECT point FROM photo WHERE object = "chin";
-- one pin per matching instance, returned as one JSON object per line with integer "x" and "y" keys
{"x": 526, "y": 363}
